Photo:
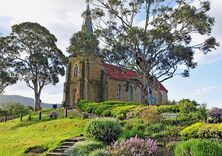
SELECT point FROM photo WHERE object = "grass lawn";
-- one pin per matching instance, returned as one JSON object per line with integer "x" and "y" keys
{"x": 16, "y": 137}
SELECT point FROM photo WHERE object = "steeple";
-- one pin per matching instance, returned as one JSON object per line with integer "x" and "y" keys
{"x": 87, "y": 23}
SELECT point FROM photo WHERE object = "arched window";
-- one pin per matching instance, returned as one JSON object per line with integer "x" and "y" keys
{"x": 118, "y": 91}
{"x": 130, "y": 93}
{"x": 76, "y": 71}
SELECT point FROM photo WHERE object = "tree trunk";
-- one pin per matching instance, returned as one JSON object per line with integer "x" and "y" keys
{"x": 37, "y": 102}
{"x": 145, "y": 89}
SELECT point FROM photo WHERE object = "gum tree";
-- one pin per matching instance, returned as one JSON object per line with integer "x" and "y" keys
{"x": 7, "y": 76}
{"x": 36, "y": 58}
{"x": 160, "y": 43}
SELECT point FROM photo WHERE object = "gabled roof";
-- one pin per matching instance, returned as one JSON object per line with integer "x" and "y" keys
{"x": 117, "y": 73}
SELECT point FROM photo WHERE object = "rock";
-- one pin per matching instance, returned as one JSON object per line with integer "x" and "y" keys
{"x": 53, "y": 115}
{"x": 35, "y": 149}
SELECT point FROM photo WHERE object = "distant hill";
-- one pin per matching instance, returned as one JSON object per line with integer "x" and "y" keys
{"x": 23, "y": 100}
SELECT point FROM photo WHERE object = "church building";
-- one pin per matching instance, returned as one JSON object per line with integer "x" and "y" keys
{"x": 88, "y": 79}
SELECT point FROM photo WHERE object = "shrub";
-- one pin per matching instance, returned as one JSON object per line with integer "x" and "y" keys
{"x": 186, "y": 106}
{"x": 191, "y": 131}
{"x": 11, "y": 109}
{"x": 116, "y": 109}
{"x": 196, "y": 147}
{"x": 84, "y": 148}
{"x": 170, "y": 147}
{"x": 154, "y": 128}
{"x": 215, "y": 114}
{"x": 121, "y": 111}
{"x": 202, "y": 130}
{"x": 100, "y": 152}
{"x": 167, "y": 108}
{"x": 105, "y": 129}
{"x": 134, "y": 146}
{"x": 135, "y": 112}
{"x": 151, "y": 115}
{"x": 128, "y": 133}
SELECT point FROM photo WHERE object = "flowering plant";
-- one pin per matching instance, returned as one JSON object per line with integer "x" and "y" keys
{"x": 135, "y": 147}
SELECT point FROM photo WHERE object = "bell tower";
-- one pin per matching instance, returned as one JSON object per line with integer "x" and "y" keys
{"x": 83, "y": 73}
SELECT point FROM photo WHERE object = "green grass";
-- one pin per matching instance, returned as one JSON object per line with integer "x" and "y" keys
{"x": 16, "y": 137}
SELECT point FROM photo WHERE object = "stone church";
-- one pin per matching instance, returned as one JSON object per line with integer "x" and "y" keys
{"x": 88, "y": 79}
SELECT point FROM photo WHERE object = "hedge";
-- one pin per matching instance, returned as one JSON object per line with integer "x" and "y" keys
{"x": 202, "y": 130}
{"x": 198, "y": 147}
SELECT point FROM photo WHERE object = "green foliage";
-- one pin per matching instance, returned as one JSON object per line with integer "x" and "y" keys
{"x": 14, "y": 109}
{"x": 83, "y": 43}
{"x": 166, "y": 108}
{"x": 100, "y": 152}
{"x": 121, "y": 111}
{"x": 128, "y": 133}
{"x": 85, "y": 147}
{"x": 151, "y": 115}
{"x": 7, "y": 74}
{"x": 202, "y": 130}
{"x": 198, "y": 148}
{"x": 104, "y": 129}
{"x": 170, "y": 147}
{"x": 43, "y": 61}
{"x": 129, "y": 44}
{"x": 115, "y": 109}
{"x": 187, "y": 106}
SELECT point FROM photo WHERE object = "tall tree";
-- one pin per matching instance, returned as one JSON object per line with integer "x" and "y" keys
{"x": 7, "y": 76}
{"x": 37, "y": 60}
{"x": 158, "y": 45}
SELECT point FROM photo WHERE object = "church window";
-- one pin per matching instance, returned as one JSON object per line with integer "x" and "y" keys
{"x": 118, "y": 91}
{"x": 130, "y": 93}
{"x": 76, "y": 71}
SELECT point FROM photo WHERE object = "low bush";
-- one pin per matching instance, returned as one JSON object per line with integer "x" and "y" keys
{"x": 151, "y": 115}
{"x": 202, "y": 130}
{"x": 117, "y": 109}
{"x": 128, "y": 133}
{"x": 167, "y": 108}
{"x": 196, "y": 147}
{"x": 105, "y": 129}
{"x": 84, "y": 148}
{"x": 14, "y": 109}
{"x": 135, "y": 112}
{"x": 121, "y": 111}
{"x": 170, "y": 147}
{"x": 216, "y": 114}
{"x": 100, "y": 152}
{"x": 134, "y": 146}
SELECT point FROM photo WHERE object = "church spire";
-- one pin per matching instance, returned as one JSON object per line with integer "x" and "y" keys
{"x": 87, "y": 24}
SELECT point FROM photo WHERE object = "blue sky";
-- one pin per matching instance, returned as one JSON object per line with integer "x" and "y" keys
{"x": 63, "y": 18}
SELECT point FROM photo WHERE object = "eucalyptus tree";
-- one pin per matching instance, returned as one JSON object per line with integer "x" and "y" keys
{"x": 7, "y": 76}
{"x": 36, "y": 58}
{"x": 162, "y": 40}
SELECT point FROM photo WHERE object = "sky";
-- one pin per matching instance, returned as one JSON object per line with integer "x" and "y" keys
{"x": 63, "y": 18}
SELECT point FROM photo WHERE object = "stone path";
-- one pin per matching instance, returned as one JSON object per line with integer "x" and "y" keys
{"x": 66, "y": 144}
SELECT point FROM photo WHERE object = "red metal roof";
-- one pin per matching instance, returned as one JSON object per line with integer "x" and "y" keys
{"x": 117, "y": 73}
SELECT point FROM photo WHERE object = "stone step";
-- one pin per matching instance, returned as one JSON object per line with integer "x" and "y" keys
{"x": 75, "y": 139}
{"x": 59, "y": 150}
{"x": 67, "y": 144}
{"x": 64, "y": 147}
{"x": 56, "y": 154}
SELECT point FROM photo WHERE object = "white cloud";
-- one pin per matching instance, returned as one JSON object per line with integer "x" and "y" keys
{"x": 215, "y": 55}
{"x": 203, "y": 91}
